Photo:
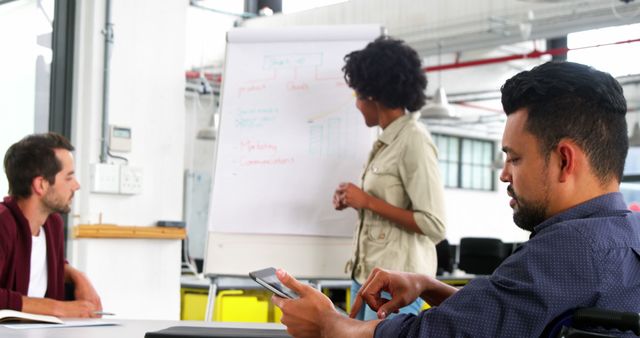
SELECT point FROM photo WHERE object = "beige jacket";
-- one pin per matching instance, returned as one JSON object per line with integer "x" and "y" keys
{"x": 403, "y": 172}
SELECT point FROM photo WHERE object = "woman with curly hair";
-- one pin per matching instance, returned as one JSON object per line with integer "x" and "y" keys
{"x": 400, "y": 199}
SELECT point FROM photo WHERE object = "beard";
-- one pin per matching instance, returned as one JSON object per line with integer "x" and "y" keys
{"x": 528, "y": 214}
{"x": 56, "y": 203}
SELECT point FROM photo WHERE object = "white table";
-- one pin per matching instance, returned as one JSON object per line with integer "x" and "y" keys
{"x": 124, "y": 329}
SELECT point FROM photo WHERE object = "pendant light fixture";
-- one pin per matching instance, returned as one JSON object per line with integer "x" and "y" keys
{"x": 439, "y": 108}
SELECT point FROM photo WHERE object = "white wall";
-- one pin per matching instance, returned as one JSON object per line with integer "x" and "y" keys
{"x": 199, "y": 153}
{"x": 206, "y": 42}
{"x": 207, "y": 31}
{"x": 128, "y": 284}
{"x": 146, "y": 94}
{"x": 481, "y": 214}
{"x": 199, "y": 162}
{"x": 18, "y": 33}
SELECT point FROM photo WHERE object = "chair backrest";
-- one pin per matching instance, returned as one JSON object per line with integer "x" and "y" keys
{"x": 445, "y": 259}
{"x": 581, "y": 322}
{"x": 481, "y": 255}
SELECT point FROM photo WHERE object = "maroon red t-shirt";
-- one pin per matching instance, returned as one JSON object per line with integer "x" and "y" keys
{"x": 15, "y": 255}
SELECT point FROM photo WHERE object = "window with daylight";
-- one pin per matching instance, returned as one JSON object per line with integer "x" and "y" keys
{"x": 465, "y": 163}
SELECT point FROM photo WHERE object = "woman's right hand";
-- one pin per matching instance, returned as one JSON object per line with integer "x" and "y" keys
{"x": 338, "y": 197}
{"x": 350, "y": 195}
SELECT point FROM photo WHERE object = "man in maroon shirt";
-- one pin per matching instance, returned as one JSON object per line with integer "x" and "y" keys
{"x": 40, "y": 172}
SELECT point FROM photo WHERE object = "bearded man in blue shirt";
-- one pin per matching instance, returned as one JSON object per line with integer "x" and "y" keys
{"x": 566, "y": 142}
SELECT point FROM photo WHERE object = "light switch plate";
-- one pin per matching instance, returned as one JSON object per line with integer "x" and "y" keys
{"x": 130, "y": 180}
{"x": 105, "y": 178}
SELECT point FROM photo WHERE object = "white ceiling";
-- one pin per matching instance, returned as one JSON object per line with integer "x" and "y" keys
{"x": 463, "y": 25}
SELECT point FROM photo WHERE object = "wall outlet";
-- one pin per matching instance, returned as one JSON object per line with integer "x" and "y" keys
{"x": 105, "y": 178}
{"x": 130, "y": 180}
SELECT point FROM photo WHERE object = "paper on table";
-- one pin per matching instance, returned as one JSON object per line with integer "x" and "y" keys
{"x": 12, "y": 316}
{"x": 70, "y": 323}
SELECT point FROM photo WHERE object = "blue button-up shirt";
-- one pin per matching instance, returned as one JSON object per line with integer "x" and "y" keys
{"x": 586, "y": 256}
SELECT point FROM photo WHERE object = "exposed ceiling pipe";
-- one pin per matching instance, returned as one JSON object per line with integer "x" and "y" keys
{"x": 190, "y": 74}
{"x": 476, "y": 106}
{"x": 531, "y": 55}
{"x": 108, "y": 42}
{"x": 463, "y": 99}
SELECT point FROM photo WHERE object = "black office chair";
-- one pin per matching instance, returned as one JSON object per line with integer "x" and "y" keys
{"x": 445, "y": 258}
{"x": 584, "y": 323}
{"x": 481, "y": 255}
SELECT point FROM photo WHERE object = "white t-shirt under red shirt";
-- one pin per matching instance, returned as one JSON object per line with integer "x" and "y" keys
{"x": 38, "y": 274}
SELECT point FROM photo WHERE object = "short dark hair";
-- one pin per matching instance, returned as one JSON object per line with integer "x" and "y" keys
{"x": 31, "y": 157}
{"x": 389, "y": 71}
{"x": 574, "y": 101}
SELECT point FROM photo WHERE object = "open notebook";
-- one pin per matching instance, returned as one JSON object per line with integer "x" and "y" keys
{"x": 22, "y": 320}
{"x": 11, "y": 316}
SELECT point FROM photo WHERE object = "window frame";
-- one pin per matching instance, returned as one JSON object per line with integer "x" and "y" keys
{"x": 61, "y": 88}
{"x": 460, "y": 162}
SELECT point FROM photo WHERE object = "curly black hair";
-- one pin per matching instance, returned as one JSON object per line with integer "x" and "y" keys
{"x": 31, "y": 157}
{"x": 571, "y": 100}
{"x": 389, "y": 71}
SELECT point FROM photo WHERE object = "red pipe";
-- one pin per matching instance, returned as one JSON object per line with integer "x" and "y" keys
{"x": 531, "y": 55}
{"x": 192, "y": 74}
{"x": 471, "y": 105}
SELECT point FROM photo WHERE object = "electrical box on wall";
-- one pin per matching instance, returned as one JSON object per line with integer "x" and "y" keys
{"x": 116, "y": 179}
{"x": 105, "y": 178}
{"x": 120, "y": 139}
